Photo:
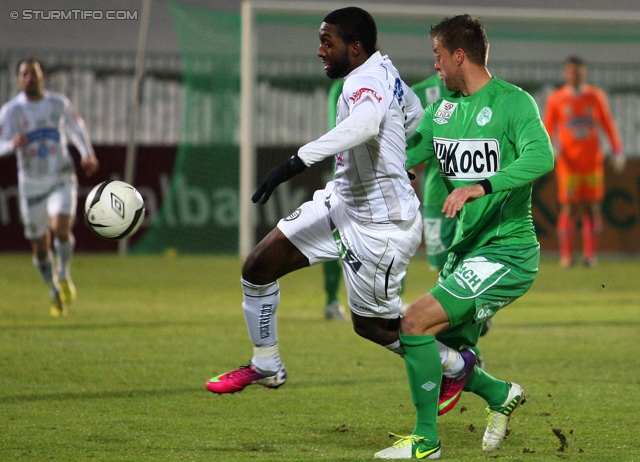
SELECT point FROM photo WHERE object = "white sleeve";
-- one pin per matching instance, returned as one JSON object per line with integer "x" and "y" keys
{"x": 6, "y": 133}
{"x": 414, "y": 112}
{"x": 75, "y": 128}
{"x": 362, "y": 124}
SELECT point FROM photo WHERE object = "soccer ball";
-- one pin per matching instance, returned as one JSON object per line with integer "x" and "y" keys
{"x": 114, "y": 210}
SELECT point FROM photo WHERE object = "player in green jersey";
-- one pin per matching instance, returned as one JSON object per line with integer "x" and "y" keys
{"x": 438, "y": 230}
{"x": 490, "y": 145}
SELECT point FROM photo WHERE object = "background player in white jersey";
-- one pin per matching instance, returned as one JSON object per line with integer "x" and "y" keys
{"x": 368, "y": 216}
{"x": 34, "y": 125}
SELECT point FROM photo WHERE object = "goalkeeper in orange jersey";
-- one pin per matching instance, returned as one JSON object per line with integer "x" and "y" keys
{"x": 574, "y": 116}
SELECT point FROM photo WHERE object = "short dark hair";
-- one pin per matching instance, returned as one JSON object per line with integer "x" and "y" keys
{"x": 355, "y": 25}
{"x": 573, "y": 59}
{"x": 30, "y": 59}
{"x": 466, "y": 32}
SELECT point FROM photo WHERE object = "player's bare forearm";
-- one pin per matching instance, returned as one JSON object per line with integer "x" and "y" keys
{"x": 90, "y": 165}
{"x": 460, "y": 196}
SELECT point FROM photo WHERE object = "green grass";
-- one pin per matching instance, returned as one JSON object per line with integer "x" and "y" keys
{"x": 122, "y": 378}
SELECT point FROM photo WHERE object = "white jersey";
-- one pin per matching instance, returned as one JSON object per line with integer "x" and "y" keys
{"x": 370, "y": 174}
{"x": 45, "y": 161}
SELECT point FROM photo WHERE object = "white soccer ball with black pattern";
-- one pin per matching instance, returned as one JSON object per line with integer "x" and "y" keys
{"x": 114, "y": 210}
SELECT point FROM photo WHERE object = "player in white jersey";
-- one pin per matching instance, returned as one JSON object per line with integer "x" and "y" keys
{"x": 34, "y": 125}
{"x": 368, "y": 216}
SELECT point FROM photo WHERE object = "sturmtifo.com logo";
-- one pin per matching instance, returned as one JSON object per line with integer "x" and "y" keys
{"x": 71, "y": 15}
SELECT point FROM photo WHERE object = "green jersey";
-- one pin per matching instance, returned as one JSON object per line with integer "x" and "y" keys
{"x": 494, "y": 134}
{"x": 334, "y": 94}
{"x": 435, "y": 191}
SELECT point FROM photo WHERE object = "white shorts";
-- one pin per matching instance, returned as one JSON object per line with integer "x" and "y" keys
{"x": 35, "y": 210}
{"x": 374, "y": 256}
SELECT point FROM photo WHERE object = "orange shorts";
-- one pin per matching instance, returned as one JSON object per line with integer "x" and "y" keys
{"x": 580, "y": 186}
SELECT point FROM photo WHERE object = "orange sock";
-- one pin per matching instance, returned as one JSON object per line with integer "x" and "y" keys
{"x": 565, "y": 234}
{"x": 591, "y": 227}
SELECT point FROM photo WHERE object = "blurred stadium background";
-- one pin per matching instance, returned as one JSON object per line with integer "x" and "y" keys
{"x": 189, "y": 135}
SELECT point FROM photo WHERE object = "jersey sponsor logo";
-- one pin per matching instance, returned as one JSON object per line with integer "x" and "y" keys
{"x": 294, "y": 215}
{"x": 398, "y": 92}
{"x": 445, "y": 110}
{"x": 440, "y": 120}
{"x": 581, "y": 127}
{"x": 351, "y": 258}
{"x": 488, "y": 309}
{"x": 348, "y": 253}
{"x": 327, "y": 204}
{"x": 432, "y": 94}
{"x": 339, "y": 160}
{"x": 356, "y": 95}
{"x": 484, "y": 116}
{"x": 41, "y": 134}
{"x": 474, "y": 271}
{"x": 467, "y": 159}
{"x": 484, "y": 313}
{"x": 43, "y": 151}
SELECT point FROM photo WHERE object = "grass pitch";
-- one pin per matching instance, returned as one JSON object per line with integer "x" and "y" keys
{"x": 122, "y": 378}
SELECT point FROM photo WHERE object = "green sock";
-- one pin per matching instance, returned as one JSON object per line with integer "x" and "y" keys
{"x": 332, "y": 275}
{"x": 424, "y": 373}
{"x": 493, "y": 391}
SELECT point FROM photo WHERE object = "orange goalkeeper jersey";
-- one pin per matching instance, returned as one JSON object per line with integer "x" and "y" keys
{"x": 573, "y": 120}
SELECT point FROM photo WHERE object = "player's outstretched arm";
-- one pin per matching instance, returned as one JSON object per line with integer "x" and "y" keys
{"x": 283, "y": 172}
{"x": 90, "y": 165}
{"x": 460, "y": 196}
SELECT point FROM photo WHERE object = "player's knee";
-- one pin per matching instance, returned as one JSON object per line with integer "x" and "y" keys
{"x": 409, "y": 325}
{"x": 261, "y": 267}
{"x": 416, "y": 323}
{"x": 62, "y": 234}
{"x": 41, "y": 254}
{"x": 254, "y": 271}
{"x": 378, "y": 330}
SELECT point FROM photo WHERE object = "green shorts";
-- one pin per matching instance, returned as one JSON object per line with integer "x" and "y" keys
{"x": 475, "y": 285}
{"x": 438, "y": 234}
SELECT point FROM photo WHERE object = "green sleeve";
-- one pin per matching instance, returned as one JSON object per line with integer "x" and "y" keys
{"x": 420, "y": 144}
{"x": 334, "y": 95}
{"x": 534, "y": 154}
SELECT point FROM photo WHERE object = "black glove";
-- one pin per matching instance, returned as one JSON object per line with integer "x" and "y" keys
{"x": 283, "y": 172}
{"x": 411, "y": 176}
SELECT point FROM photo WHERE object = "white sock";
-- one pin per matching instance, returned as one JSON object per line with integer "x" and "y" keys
{"x": 397, "y": 347}
{"x": 64, "y": 252}
{"x": 452, "y": 361}
{"x": 259, "y": 305}
{"x": 45, "y": 270}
